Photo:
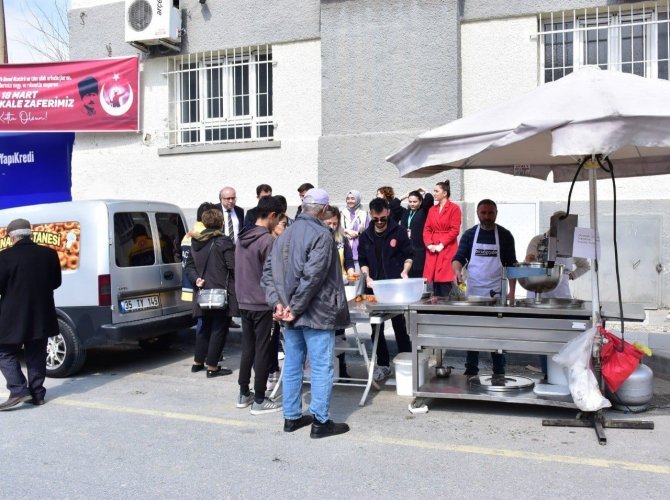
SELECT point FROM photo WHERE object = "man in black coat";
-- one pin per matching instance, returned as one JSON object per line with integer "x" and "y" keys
{"x": 29, "y": 273}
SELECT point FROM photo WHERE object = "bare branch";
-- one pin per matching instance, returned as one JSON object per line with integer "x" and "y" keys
{"x": 53, "y": 29}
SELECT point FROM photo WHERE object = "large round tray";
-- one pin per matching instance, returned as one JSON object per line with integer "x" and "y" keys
{"x": 550, "y": 303}
{"x": 472, "y": 301}
{"x": 500, "y": 383}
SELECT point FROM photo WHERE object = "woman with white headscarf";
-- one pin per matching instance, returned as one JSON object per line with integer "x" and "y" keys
{"x": 354, "y": 221}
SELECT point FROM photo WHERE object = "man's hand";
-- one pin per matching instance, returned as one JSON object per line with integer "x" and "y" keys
{"x": 288, "y": 315}
{"x": 199, "y": 282}
{"x": 278, "y": 313}
{"x": 458, "y": 276}
{"x": 369, "y": 281}
{"x": 404, "y": 275}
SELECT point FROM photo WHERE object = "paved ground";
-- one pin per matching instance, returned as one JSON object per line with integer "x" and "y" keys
{"x": 137, "y": 424}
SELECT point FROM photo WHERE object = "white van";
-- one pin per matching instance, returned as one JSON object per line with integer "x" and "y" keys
{"x": 122, "y": 273}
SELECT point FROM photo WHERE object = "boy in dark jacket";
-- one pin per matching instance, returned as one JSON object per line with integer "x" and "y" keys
{"x": 385, "y": 252}
{"x": 253, "y": 246}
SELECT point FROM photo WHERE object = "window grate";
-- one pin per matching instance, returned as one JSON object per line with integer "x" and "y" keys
{"x": 221, "y": 96}
{"x": 631, "y": 38}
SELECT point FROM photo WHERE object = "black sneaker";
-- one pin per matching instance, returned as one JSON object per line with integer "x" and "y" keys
{"x": 219, "y": 373}
{"x": 298, "y": 423}
{"x": 326, "y": 429}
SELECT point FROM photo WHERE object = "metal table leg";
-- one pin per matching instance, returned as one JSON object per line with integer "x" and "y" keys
{"x": 371, "y": 366}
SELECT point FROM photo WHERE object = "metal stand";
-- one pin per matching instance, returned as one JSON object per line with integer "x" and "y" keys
{"x": 598, "y": 421}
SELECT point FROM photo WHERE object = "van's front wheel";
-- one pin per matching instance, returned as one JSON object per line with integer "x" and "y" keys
{"x": 65, "y": 353}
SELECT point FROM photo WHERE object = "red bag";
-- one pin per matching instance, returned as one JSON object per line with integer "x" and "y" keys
{"x": 617, "y": 365}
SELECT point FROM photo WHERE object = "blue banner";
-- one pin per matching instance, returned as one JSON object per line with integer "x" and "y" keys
{"x": 35, "y": 168}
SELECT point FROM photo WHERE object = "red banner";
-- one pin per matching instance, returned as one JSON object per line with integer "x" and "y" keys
{"x": 75, "y": 96}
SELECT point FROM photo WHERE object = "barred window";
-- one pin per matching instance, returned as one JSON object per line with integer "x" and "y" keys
{"x": 631, "y": 38}
{"x": 221, "y": 96}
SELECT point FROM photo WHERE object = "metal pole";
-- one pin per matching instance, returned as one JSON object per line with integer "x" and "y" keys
{"x": 593, "y": 206}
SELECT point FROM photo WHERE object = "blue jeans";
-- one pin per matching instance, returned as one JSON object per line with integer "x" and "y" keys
{"x": 319, "y": 345}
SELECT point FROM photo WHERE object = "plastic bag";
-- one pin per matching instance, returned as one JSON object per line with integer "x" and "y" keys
{"x": 575, "y": 356}
{"x": 618, "y": 364}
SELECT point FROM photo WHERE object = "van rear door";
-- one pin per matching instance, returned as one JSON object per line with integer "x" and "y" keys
{"x": 170, "y": 226}
{"x": 135, "y": 268}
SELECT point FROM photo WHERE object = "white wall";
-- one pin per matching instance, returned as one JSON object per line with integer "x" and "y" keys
{"x": 128, "y": 166}
{"x": 500, "y": 61}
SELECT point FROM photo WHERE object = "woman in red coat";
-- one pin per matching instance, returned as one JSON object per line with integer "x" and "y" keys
{"x": 439, "y": 235}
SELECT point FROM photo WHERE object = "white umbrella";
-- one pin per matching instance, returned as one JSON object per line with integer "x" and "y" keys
{"x": 590, "y": 111}
{"x": 619, "y": 116}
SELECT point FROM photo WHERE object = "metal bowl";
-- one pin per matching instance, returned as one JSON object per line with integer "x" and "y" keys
{"x": 544, "y": 282}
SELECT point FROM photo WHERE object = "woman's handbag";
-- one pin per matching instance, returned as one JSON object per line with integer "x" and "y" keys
{"x": 212, "y": 298}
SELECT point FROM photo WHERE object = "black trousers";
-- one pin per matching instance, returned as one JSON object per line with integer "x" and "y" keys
{"x": 211, "y": 339}
{"x": 257, "y": 350}
{"x": 36, "y": 362}
{"x": 401, "y": 338}
{"x": 276, "y": 334}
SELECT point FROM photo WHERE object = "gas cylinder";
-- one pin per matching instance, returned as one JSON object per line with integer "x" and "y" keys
{"x": 636, "y": 392}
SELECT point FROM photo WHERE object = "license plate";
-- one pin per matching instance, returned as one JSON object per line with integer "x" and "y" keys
{"x": 140, "y": 303}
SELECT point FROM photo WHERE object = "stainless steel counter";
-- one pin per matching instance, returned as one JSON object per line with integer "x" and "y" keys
{"x": 433, "y": 323}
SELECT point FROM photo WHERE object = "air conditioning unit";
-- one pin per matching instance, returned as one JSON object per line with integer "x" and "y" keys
{"x": 153, "y": 22}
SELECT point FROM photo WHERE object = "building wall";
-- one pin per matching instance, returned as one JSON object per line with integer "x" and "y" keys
{"x": 488, "y": 9}
{"x": 127, "y": 165}
{"x": 500, "y": 60}
{"x": 390, "y": 71}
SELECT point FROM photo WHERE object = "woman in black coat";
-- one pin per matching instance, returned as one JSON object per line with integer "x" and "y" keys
{"x": 211, "y": 264}
{"x": 413, "y": 220}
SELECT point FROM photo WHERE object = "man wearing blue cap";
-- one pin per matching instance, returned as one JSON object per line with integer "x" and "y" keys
{"x": 302, "y": 279}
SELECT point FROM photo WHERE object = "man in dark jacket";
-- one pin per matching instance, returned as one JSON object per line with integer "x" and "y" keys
{"x": 302, "y": 280}
{"x": 385, "y": 252}
{"x": 29, "y": 273}
{"x": 253, "y": 247}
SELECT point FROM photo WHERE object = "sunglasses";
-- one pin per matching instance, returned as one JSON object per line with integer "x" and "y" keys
{"x": 379, "y": 219}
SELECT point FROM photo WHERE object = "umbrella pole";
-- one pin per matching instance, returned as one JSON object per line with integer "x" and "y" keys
{"x": 593, "y": 212}
{"x": 597, "y": 419}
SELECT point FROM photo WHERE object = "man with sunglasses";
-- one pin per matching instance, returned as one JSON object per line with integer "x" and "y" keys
{"x": 385, "y": 252}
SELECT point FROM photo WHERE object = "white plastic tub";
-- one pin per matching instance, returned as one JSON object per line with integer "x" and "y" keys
{"x": 350, "y": 292}
{"x": 403, "y": 372}
{"x": 398, "y": 291}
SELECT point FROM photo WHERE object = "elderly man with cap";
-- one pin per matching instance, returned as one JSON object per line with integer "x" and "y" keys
{"x": 302, "y": 279}
{"x": 29, "y": 273}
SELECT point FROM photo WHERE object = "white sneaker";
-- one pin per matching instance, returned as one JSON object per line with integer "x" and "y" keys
{"x": 381, "y": 373}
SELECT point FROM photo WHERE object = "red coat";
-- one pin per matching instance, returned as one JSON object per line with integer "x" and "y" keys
{"x": 441, "y": 227}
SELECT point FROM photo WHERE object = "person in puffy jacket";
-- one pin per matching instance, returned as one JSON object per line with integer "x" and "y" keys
{"x": 211, "y": 264}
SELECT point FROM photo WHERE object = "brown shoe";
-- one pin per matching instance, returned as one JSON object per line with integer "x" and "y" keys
{"x": 14, "y": 401}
